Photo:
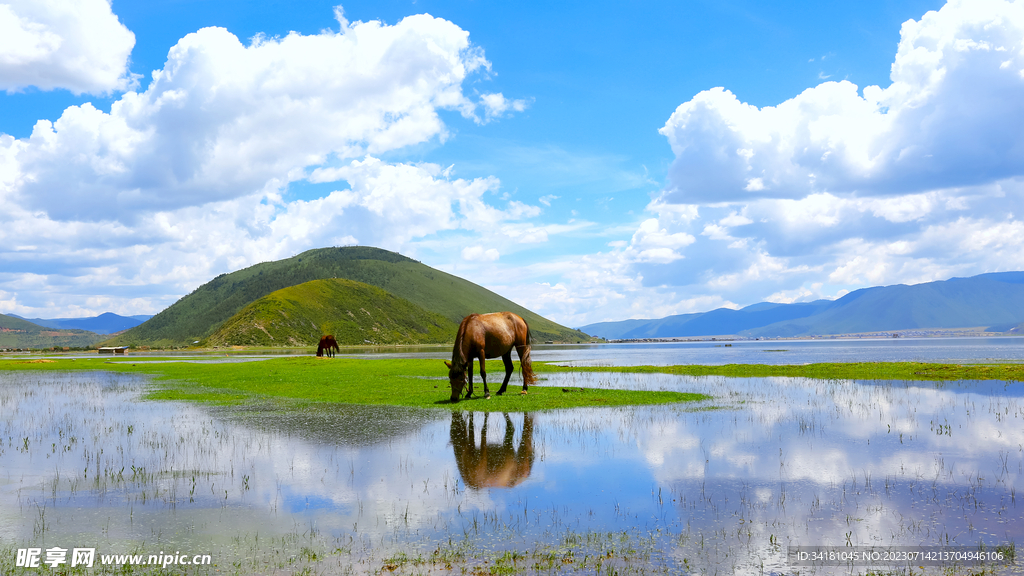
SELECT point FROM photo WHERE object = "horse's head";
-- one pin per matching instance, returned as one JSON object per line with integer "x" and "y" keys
{"x": 457, "y": 379}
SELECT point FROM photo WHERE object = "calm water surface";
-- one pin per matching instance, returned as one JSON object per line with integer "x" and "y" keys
{"x": 721, "y": 487}
{"x": 791, "y": 351}
{"x": 1003, "y": 348}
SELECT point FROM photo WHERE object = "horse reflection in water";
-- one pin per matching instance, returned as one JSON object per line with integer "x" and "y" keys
{"x": 492, "y": 465}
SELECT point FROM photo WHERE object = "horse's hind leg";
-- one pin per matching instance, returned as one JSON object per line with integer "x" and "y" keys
{"x": 507, "y": 359}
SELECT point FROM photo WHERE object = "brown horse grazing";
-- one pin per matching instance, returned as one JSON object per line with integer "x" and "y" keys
{"x": 492, "y": 465}
{"x": 483, "y": 336}
{"x": 329, "y": 344}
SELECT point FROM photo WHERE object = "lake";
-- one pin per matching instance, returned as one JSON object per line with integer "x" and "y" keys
{"x": 1002, "y": 348}
{"x": 732, "y": 485}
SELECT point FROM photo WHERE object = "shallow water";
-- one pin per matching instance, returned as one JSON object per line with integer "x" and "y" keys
{"x": 720, "y": 487}
{"x": 956, "y": 350}
{"x": 975, "y": 349}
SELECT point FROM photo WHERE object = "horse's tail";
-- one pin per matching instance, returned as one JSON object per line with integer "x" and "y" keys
{"x": 525, "y": 364}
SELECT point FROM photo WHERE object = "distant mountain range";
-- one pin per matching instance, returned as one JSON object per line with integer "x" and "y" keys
{"x": 106, "y": 323}
{"x": 18, "y": 333}
{"x": 994, "y": 301}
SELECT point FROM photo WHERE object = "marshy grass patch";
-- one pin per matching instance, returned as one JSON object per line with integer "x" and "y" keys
{"x": 406, "y": 382}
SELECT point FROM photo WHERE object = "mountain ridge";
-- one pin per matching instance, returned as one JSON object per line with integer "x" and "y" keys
{"x": 16, "y": 332}
{"x": 105, "y": 323}
{"x": 994, "y": 300}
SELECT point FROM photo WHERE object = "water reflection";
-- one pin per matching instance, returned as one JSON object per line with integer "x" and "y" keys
{"x": 724, "y": 486}
{"x": 492, "y": 465}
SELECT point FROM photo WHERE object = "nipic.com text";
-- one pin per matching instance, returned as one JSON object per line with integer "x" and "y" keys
{"x": 86, "y": 557}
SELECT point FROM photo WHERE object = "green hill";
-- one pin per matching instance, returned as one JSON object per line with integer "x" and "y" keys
{"x": 18, "y": 333}
{"x": 354, "y": 312}
{"x": 201, "y": 313}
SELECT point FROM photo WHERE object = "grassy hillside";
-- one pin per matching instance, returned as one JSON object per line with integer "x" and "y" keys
{"x": 19, "y": 333}
{"x": 202, "y": 312}
{"x": 354, "y": 312}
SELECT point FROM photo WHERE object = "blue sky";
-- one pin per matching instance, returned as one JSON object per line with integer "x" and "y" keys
{"x": 591, "y": 161}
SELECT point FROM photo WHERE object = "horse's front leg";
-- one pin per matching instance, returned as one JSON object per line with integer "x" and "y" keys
{"x": 507, "y": 359}
{"x": 469, "y": 374}
{"x": 483, "y": 376}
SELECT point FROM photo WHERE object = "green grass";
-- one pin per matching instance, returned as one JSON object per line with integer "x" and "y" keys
{"x": 398, "y": 382}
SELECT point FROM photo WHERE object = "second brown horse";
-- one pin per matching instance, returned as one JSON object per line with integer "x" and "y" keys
{"x": 327, "y": 344}
{"x": 482, "y": 336}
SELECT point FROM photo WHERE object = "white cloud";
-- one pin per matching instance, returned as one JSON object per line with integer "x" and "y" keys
{"x": 479, "y": 253}
{"x": 78, "y": 45}
{"x": 800, "y": 294}
{"x": 653, "y": 243}
{"x": 224, "y": 120}
{"x": 496, "y": 105}
{"x": 951, "y": 117}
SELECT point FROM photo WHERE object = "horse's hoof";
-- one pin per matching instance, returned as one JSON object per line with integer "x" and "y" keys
{"x": 522, "y": 393}
{"x": 488, "y": 397}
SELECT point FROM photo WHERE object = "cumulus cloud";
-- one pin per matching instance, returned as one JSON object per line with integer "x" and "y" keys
{"x": 223, "y": 120}
{"x": 479, "y": 253}
{"x": 77, "y": 45}
{"x": 496, "y": 105}
{"x": 950, "y": 117}
{"x": 388, "y": 205}
{"x": 652, "y": 243}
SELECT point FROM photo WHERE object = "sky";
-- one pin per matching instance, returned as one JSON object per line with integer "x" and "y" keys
{"x": 590, "y": 161}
